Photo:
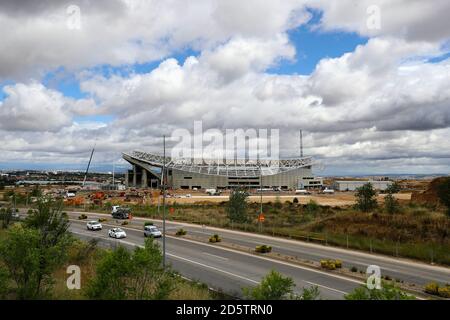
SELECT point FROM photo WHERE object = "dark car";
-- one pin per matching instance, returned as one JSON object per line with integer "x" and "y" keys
{"x": 121, "y": 213}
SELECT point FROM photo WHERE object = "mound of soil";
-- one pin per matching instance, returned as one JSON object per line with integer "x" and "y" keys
{"x": 430, "y": 195}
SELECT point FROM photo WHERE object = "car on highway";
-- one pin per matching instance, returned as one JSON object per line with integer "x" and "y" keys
{"x": 117, "y": 233}
{"x": 121, "y": 213}
{"x": 152, "y": 231}
{"x": 94, "y": 225}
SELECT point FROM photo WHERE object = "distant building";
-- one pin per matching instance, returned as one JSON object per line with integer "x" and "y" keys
{"x": 353, "y": 185}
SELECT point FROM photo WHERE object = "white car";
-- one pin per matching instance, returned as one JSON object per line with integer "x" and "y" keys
{"x": 152, "y": 231}
{"x": 302, "y": 191}
{"x": 117, "y": 233}
{"x": 94, "y": 225}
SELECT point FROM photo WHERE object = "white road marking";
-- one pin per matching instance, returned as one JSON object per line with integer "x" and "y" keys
{"x": 322, "y": 286}
{"x": 403, "y": 261}
{"x": 213, "y": 255}
{"x": 258, "y": 257}
{"x": 213, "y": 268}
{"x": 179, "y": 258}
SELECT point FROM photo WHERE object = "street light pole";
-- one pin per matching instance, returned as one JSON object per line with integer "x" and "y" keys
{"x": 164, "y": 201}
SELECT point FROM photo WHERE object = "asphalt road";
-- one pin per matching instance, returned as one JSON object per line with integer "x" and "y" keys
{"x": 222, "y": 268}
{"x": 403, "y": 269}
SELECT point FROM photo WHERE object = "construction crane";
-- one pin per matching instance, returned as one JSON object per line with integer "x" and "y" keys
{"x": 89, "y": 164}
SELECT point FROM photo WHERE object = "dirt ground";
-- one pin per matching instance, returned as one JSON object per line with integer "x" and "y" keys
{"x": 338, "y": 199}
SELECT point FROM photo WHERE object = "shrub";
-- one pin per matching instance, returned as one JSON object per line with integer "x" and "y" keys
{"x": 444, "y": 193}
{"x": 125, "y": 223}
{"x": 181, "y": 232}
{"x": 354, "y": 269}
{"x": 102, "y": 220}
{"x": 387, "y": 292}
{"x": 331, "y": 264}
{"x": 82, "y": 217}
{"x": 215, "y": 238}
{"x": 312, "y": 207}
{"x": 263, "y": 249}
{"x": 432, "y": 288}
{"x": 272, "y": 287}
{"x": 444, "y": 292}
{"x": 295, "y": 200}
{"x": 148, "y": 223}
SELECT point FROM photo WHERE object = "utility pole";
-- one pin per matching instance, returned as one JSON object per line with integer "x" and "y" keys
{"x": 114, "y": 186}
{"x": 301, "y": 144}
{"x": 164, "y": 202}
{"x": 260, "y": 197}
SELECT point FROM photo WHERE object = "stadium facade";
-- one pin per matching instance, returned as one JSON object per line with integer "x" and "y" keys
{"x": 184, "y": 173}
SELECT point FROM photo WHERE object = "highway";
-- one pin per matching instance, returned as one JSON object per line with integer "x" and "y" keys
{"x": 222, "y": 268}
{"x": 229, "y": 270}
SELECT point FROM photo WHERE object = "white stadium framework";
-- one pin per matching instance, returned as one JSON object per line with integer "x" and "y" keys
{"x": 189, "y": 173}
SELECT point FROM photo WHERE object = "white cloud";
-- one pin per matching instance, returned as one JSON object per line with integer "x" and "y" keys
{"x": 381, "y": 104}
{"x": 33, "y": 108}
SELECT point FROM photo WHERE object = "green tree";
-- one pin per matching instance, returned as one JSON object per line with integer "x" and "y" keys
{"x": 21, "y": 254}
{"x": 4, "y": 282}
{"x": 366, "y": 198}
{"x": 272, "y": 287}
{"x": 33, "y": 251}
{"x": 237, "y": 206}
{"x": 312, "y": 207}
{"x": 6, "y": 217}
{"x": 311, "y": 293}
{"x": 121, "y": 274}
{"x": 36, "y": 192}
{"x": 443, "y": 191}
{"x": 111, "y": 279}
{"x": 393, "y": 188}
{"x": 387, "y": 292}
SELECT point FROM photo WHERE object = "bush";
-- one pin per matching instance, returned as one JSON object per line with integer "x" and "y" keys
{"x": 148, "y": 223}
{"x": 215, "y": 238}
{"x": 312, "y": 207}
{"x": 125, "y": 223}
{"x": 444, "y": 292}
{"x": 387, "y": 292}
{"x": 354, "y": 269}
{"x": 331, "y": 264}
{"x": 434, "y": 289}
{"x": 295, "y": 200}
{"x": 444, "y": 193}
{"x": 102, "y": 220}
{"x": 272, "y": 287}
{"x": 263, "y": 249}
{"x": 181, "y": 232}
{"x": 82, "y": 217}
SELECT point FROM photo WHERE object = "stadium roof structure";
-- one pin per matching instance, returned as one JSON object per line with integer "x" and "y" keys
{"x": 226, "y": 168}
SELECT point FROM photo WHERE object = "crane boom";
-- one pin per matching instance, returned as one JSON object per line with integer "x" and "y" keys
{"x": 89, "y": 164}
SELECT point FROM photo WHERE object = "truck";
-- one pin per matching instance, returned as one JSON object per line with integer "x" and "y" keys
{"x": 212, "y": 192}
{"x": 119, "y": 212}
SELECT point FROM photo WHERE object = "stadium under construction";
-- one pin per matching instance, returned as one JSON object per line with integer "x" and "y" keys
{"x": 182, "y": 173}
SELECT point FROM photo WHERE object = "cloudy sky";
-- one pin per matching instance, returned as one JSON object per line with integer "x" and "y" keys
{"x": 367, "y": 81}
